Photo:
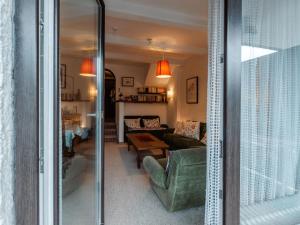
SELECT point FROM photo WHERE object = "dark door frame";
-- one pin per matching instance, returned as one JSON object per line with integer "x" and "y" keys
{"x": 100, "y": 105}
{"x": 26, "y": 109}
{"x": 26, "y": 83}
{"x": 232, "y": 112}
{"x": 99, "y": 118}
{"x": 110, "y": 72}
{"x": 115, "y": 84}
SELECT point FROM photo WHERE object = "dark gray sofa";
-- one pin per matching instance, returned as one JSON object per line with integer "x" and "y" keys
{"x": 159, "y": 132}
{"x": 177, "y": 142}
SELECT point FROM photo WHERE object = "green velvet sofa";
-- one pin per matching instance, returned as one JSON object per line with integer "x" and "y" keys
{"x": 183, "y": 185}
{"x": 176, "y": 141}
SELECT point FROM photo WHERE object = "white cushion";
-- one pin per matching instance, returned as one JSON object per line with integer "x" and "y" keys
{"x": 133, "y": 123}
{"x": 188, "y": 129}
{"x": 151, "y": 123}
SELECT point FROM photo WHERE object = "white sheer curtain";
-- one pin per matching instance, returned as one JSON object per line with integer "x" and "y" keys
{"x": 270, "y": 125}
{"x": 213, "y": 210}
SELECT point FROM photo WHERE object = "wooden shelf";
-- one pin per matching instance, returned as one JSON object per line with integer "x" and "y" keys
{"x": 75, "y": 100}
{"x": 147, "y": 93}
{"x": 143, "y": 102}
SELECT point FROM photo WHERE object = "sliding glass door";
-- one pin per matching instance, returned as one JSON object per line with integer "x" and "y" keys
{"x": 81, "y": 85}
{"x": 270, "y": 113}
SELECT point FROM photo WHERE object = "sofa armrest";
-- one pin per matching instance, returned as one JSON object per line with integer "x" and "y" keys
{"x": 155, "y": 171}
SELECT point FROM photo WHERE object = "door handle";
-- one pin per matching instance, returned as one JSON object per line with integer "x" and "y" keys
{"x": 91, "y": 114}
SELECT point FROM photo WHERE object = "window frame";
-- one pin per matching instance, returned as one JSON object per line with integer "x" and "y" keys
{"x": 232, "y": 111}
{"x": 26, "y": 109}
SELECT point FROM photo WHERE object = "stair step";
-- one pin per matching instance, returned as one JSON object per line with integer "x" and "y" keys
{"x": 110, "y": 136}
{"x": 111, "y": 129}
{"x": 110, "y": 132}
{"x": 110, "y": 126}
{"x": 109, "y": 122}
{"x": 110, "y": 139}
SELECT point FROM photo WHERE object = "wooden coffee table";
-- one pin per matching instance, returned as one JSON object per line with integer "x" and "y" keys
{"x": 146, "y": 142}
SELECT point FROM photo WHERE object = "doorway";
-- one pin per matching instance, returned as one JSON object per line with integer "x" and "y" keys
{"x": 110, "y": 97}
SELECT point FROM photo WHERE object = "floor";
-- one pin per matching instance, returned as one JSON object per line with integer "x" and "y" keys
{"x": 129, "y": 199}
{"x": 78, "y": 208}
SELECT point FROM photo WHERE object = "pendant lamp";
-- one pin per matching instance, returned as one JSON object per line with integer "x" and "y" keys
{"x": 88, "y": 68}
{"x": 163, "y": 69}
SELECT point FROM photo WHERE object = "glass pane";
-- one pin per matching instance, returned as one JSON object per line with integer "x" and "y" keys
{"x": 270, "y": 124}
{"x": 78, "y": 54}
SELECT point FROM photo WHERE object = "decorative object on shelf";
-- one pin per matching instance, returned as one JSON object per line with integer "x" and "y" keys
{"x": 78, "y": 95}
{"x": 121, "y": 97}
{"x": 88, "y": 68}
{"x": 128, "y": 81}
{"x": 63, "y": 75}
{"x": 147, "y": 95}
{"x": 66, "y": 95}
{"x": 192, "y": 90}
{"x": 141, "y": 90}
{"x": 152, "y": 90}
{"x": 134, "y": 98}
{"x": 152, "y": 95}
{"x": 161, "y": 90}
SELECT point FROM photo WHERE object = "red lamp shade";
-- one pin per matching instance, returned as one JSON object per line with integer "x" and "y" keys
{"x": 88, "y": 68}
{"x": 163, "y": 69}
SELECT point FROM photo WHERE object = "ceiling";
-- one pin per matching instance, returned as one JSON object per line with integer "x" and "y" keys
{"x": 177, "y": 27}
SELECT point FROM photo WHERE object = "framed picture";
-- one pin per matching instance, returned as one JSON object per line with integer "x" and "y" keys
{"x": 192, "y": 90}
{"x": 63, "y": 75}
{"x": 128, "y": 81}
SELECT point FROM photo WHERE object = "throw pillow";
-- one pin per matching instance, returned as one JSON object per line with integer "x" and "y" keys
{"x": 192, "y": 130}
{"x": 204, "y": 139}
{"x": 179, "y": 128}
{"x": 151, "y": 123}
{"x": 133, "y": 123}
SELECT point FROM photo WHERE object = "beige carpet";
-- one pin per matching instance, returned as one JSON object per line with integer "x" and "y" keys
{"x": 129, "y": 199}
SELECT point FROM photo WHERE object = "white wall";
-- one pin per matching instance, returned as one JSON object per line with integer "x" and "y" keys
{"x": 124, "y": 109}
{"x": 178, "y": 109}
{"x": 7, "y": 214}
{"x": 80, "y": 82}
{"x": 173, "y": 92}
{"x": 147, "y": 109}
{"x": 137, "y": 70}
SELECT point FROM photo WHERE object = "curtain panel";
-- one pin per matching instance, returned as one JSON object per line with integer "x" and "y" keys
{"x": 270, "y": 111}
{"x": 213, "y": 209}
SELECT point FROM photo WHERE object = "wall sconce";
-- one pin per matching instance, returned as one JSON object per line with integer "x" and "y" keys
{"x": 170, "y": 94}
{"x": 93, "y": 91}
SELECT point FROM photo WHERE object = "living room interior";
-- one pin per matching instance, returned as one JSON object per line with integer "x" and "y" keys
{"x": 52, "y": 162}
{"x": 156, "y": 69}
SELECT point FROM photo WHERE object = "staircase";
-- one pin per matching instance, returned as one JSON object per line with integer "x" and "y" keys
{"x": 110, "y": 132}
